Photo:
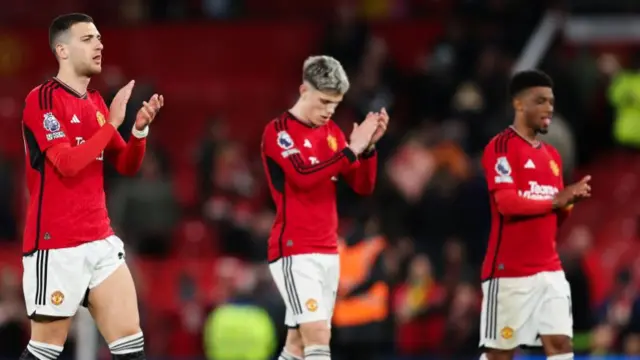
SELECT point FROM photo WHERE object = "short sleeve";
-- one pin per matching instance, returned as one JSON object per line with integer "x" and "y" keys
{"x": 41, "y": 118}
{"x": 498, "y": 161}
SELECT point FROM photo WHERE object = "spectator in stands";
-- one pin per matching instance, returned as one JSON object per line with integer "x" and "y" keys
{"x": 144, "y": 209}
{"x": 216, "y": 136}
{"x": 346, "y": 36}
{"x": 457, "y": 269}
{"x": 619, "y": 316}
{"x": 374, "y": 80}
{"x": 13, "y": 324}
{"x": 463, "y": 322}
{"x": 574, "y": 255}
{"x": 419, "y": 306}
{"x": 624, "y": 95}
{"x": 8, "y": 228}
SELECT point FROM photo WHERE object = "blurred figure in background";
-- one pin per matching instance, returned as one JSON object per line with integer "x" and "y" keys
{"x": 420, "y": 310}
{"x": 361, "y": 308}
{"x": 144, "y": 208}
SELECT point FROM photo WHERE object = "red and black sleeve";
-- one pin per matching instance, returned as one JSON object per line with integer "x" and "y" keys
{"x": 361, "y": 179}
{"x": 40, "y": 121}
{"x": 280, "y": 149}
{"x": 125, "y": 156}
{"x": 497, "y": 161}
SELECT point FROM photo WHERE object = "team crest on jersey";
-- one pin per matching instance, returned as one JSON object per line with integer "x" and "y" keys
{"x": 332, "y": 142}
{"x": 554, "y": 168}
{"x": 57, "y": 297}
{"x": 100, "y": 118}
{"x": 50, "y": 123}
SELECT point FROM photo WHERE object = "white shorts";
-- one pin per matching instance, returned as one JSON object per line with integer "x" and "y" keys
{"x": 516, "y": 311}
{"x": 55, "y": 282}
{"x": 308, "y": 284}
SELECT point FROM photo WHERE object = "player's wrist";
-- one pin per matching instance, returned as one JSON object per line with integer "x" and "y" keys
{"x": 370, "y": 151}
{"x": 140, "y": 134}
{"x": 355, "y": 149}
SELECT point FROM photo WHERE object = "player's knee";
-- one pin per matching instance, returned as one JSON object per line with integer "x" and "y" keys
{"x": 315, "y": 333}
{"x": 128, "y": 347}
{"x": 293, "y": 344}
{"x": 557, "y": 345}
{"x": 497, "y": 354}
{"x": 50, "y": 330}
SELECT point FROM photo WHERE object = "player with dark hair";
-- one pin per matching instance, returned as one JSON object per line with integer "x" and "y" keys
{"x": 303, "y": 153}
{"x": 527, "y": 300}
{"x": 70, "y": 253}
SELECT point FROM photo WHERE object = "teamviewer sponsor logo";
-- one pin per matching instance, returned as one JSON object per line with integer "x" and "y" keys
{"x": 539, "y": 192}
{"x": 55, "y": 135}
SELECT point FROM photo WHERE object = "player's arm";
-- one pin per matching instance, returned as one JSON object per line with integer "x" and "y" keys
{"x": 362, "y": 179}
{"x": 562, "y": 212}
{"x": 42, "y": 128}
{"x": 126, "y": 156}
{"x": 497, "y": 162}
{"x": 280, "y": 149}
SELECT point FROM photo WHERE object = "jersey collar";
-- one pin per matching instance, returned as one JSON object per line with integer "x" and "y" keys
{"x": 536, "y": 144}
{"x": 69, "y": 89}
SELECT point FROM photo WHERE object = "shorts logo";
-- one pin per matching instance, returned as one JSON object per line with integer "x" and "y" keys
{"x": 57, "y": 298}
{"x": 554, "y": 168}
{"x": 332, "y": 142}
{"x": 312, "y": 305}
{"x": 100, "y": 118}
{"x": 506, "y": 332}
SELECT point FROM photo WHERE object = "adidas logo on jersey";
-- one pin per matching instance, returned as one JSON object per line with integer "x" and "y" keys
{"x": 529, "y": 164}
{"x": 75, "y": 120}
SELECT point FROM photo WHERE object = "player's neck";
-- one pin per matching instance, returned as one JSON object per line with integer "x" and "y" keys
{"x": 297, "y": 112}
{"x": 525, "y": 132}
{"x": 72, "y": 80}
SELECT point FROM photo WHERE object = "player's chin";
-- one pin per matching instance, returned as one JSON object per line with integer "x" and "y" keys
{"x": 543, "y": 130}
{"x": 94, "y": 70}
{"x": 321, "y": 120}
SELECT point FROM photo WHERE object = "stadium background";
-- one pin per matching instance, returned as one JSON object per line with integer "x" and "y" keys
{"x": 197, "y": 216}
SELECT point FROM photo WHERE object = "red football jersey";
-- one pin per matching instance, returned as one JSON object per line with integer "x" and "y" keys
{"x": 302, "y": 164}
{"x": 521, "y": 246}
{"x": 63, "y": 211}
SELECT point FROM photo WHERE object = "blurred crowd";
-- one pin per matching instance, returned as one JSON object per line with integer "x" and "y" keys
{"x": 430, "y": 205}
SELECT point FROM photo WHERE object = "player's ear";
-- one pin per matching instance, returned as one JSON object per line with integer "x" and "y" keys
{"x": 304, "y": 89}
{"x": 517, "y": 104}
{"x": 61, "y": 51}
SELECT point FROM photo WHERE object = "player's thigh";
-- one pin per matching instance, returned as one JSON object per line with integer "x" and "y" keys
{"x": 300, "y": 280}
{"x": 54, "y": 284}
{"x": 331, "y": 267}
{"x": 555, "y": 315}
{"x": 112, "y": 300}
{"x": 50, "y": 330}
{"x": 508, "y": 309}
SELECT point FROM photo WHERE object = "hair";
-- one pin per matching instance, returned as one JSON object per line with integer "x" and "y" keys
{"x": 325, "y": 73}
{"x": 63, "y": 23}
{"x": 527, "y": 79}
